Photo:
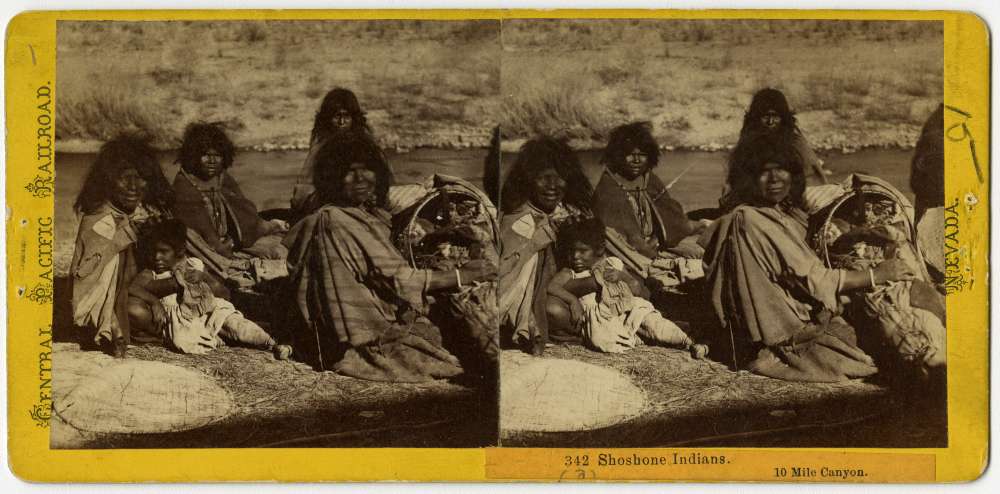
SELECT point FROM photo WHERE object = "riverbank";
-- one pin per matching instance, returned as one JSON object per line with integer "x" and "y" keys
{"x": 899, "y": 137}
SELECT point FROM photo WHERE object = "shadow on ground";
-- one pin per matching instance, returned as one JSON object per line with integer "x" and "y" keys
{"x": 703, "y": 403}
{"x": 287, "y": 404}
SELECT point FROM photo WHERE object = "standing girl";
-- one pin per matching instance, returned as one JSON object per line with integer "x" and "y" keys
{"x": 339, "y": 120}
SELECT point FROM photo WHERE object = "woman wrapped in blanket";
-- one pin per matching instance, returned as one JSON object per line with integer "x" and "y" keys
{"x": 632, "y": 201}
{"x": 124, "y": 190}
{"x": 359, "y": 306}
{"x": 545, "y": 189}
{"x": 224, "y": 223}
{"x": 778, "y": 302}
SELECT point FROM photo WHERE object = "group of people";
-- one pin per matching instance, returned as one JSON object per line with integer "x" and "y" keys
{"x": 161, "y": 261}
{"x": 583, "y": 264}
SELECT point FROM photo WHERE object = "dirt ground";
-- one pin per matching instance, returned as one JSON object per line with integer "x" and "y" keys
{"x": 287, "y": 404}
{"x": 703, "y": 403}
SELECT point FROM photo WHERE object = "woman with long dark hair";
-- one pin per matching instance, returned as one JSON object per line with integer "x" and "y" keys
{"x": 777, "y": 301}
{"x": 770, "y": 115}
{"x": 632, "y": 201}
{"x": 124, "y": 190}
{"x": 339, "y": 120}
{"x": 545, "y": 188}
{"x": 359, "y": 305}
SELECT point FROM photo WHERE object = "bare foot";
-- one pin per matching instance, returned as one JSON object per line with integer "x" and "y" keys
{"x": 282, "y": 352}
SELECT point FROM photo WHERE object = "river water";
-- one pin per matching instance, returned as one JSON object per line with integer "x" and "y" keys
{"x": 267, "y": 177}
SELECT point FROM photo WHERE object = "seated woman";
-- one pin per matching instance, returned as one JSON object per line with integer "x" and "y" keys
{"x": 223, "y": 224}
{"x": 124, "y": 190}
{"x": 545, "y": 189}
{"x": 777, "y": 302}
{"x": 770, "y": 115}
{"x": 927, "y": 184}
{"x": 339, "y": 118}
{"x": 634, "y": 203}
{"x": 359, "y": 307}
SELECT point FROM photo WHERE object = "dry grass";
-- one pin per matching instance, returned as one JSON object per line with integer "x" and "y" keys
{"x": 102, "y": 111}
{"x": 703, "y": 402}
{"x": 277, "y": 402}
{"x": 439, "y": 83}
{"x": 561, "y": 103}
{"x": 268, "y": 78}
{"x": 880, "y": 80}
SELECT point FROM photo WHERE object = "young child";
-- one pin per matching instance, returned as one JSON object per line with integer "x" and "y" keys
{"x": 124, "y": 189}
{"x": 187, "y": 304}
{"x": 602, "y": 301}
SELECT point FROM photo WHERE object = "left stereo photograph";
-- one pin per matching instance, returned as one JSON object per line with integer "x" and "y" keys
{"x": 242, "y": 206}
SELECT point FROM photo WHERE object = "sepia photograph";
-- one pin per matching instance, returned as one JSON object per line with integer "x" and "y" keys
{"x": 722, "y": 233}
{"x": 275, "y": 234}
{"x": 545, "y": 232}
{"x": 505, "y": 245}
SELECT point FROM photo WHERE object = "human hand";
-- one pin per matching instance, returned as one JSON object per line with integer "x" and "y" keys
{"x": 576, "y": 311}
{"x": 226, "y": 248}
{"x": 192, "y": 276}
{"x": 613, "y": 275}
{"x": 478, "y": 270}
{"x": 699, "y": 226}
{"x": 688, "y": 250}
{"x": 159, "y": 314}
{"x": 893, "y": 270}
{"x": 277, "y": 226}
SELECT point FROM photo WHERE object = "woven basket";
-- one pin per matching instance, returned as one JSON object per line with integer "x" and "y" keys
{"x": 410, "y": 216}
{"x": 475, "y": 304}
{"x": 820, "y": 223}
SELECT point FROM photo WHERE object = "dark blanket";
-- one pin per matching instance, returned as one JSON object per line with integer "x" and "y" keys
{"x": 190, "y": 207}
{"x": 670, "y": 225}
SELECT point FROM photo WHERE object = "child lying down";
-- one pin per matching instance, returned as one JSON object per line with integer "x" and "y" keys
{"x": 602, "y": 299}
{"x": 187, "y": 304}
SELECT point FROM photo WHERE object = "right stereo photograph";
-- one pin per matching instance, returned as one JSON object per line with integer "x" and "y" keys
{"x": 722, "y": 233}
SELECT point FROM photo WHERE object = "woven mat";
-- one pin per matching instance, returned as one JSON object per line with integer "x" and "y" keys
{"x": 563, "y": 395}
{"x": 94, "y": 393}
